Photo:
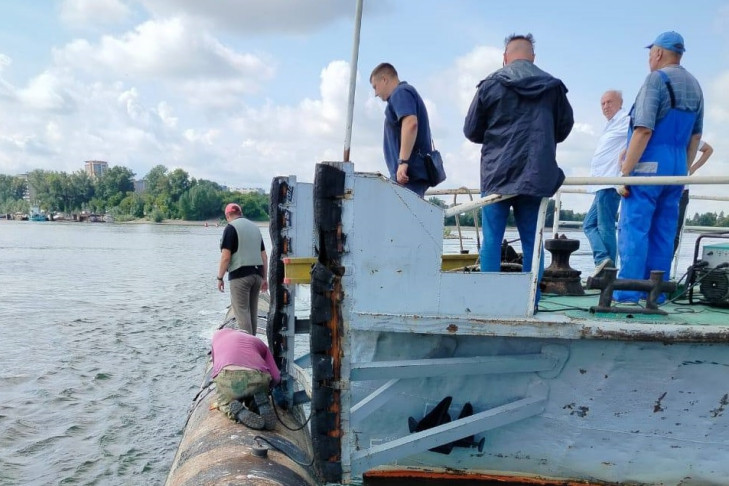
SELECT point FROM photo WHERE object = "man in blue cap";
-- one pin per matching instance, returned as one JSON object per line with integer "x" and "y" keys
{"x": 666, "y": 122}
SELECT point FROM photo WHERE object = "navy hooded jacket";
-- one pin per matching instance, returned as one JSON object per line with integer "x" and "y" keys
{"x": 520, "y": 113}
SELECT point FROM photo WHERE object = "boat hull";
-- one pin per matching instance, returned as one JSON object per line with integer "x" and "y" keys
{"x": 605, "y": 412}
{"x": 562, "y": 396}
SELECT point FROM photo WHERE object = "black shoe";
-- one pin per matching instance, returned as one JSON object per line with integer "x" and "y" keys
{"x": 265, "y": 410}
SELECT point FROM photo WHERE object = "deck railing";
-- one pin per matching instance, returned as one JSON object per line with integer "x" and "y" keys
{"x": 578, "y": 185}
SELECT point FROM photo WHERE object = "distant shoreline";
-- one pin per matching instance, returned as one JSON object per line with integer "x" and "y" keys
{"x": 167, "y": 222}
{"x": 181, "y": 222}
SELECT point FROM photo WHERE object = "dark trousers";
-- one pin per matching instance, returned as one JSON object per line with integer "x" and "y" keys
{"x": 681, "y": 217}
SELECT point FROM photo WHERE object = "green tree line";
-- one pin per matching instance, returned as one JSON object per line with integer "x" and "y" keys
{"x": 709, "y": 219}
{"x": 175, "y": 195}
{"x": 167, "y": 195}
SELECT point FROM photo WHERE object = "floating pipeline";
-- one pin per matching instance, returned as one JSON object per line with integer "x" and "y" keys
{"x": 216, "y": 450}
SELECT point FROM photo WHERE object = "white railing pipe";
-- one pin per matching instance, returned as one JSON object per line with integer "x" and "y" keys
{"x": 584, "y": 181}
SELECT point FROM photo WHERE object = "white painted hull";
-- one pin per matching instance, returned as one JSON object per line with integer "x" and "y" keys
{"x": 560, "y": 397}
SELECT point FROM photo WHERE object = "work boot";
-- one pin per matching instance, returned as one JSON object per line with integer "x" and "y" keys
{"x": 245, "y": 416}
{"x": 265, "y": 410}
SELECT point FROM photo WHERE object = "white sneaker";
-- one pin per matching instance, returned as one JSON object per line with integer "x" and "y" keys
{"x": 606, "y": 263}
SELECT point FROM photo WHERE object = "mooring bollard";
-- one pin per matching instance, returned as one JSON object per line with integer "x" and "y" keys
{"x": 559, "y": 278}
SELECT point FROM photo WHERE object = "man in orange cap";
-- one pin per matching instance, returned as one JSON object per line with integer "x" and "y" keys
{"x": 243, "y": 256}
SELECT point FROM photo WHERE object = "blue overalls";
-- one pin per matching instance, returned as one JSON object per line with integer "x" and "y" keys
{"x": 649, "y": 215}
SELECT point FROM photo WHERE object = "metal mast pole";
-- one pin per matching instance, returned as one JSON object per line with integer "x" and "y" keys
{"x": 353, "y": 79}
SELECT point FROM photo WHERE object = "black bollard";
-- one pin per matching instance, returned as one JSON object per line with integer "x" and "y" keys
{"x": 559, "y": 278}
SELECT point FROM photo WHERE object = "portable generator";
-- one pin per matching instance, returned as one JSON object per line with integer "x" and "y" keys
{"x": 711, "y": 273}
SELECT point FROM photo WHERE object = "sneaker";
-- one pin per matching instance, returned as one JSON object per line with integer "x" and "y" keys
{"x": 265, "y": 410}
{"x": 606, "y": 263}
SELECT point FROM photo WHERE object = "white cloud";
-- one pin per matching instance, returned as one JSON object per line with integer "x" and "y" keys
{"x": 471, "y": 69}
{"x": 48, "y": 92}
{"x": 138, "y": 129}
{"x": 718, "y": 110}
{"x": 92, "y": 13}
{"x": 7, "y": 90}
{"x": 248, "y": 17}
{"x": 5, "y": 61}
{"x": 169, "y": 48}
{"x": 166, "y": 114}
{"x": 173, "y": 53}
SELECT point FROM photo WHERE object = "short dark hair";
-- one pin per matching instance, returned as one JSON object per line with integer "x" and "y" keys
{"x": 384, "y": 68}
{"x": 529, "y": 38}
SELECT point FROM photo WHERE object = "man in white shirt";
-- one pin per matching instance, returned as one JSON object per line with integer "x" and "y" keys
{"x": 599, "y": 224}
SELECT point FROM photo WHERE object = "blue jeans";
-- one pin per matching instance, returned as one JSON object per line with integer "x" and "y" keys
{"x": 494, "y": 216}
{"x": 599, "y": 225}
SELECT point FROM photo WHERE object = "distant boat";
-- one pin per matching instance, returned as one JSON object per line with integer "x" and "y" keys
{"x": 36, "y": 215}
{"x": 90, "y": 217}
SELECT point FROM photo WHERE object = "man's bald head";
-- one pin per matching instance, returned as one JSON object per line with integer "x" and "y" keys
{"x": 611, "y": 102}
{"x": 519, "y": 47}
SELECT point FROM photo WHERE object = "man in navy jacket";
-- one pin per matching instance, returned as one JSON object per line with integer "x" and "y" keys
{"x": 519, "y": 114}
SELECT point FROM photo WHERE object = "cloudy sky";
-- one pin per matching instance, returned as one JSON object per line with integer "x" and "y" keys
{"x": 240, "y": 91}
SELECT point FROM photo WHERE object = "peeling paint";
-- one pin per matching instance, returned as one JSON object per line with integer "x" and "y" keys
{"x": 722, "y": 405}
{"x": 580, "y": 411}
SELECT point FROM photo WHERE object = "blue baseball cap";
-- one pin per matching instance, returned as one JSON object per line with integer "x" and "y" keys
{"x": 671, "y": 41}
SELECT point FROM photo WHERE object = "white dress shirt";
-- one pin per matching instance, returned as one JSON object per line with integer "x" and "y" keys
{"x": 605, "y": 161}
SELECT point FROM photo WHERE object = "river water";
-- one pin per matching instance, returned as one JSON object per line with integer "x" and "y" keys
{"x": 104, "y": 333}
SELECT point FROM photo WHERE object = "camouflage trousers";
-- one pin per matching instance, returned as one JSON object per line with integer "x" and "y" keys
{"x": 237, "y": 384}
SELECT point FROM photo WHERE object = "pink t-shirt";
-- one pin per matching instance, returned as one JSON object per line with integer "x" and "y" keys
{"x": 233, "y": 347}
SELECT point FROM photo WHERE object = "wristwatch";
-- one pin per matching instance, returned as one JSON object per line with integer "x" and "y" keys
{"x": 402, "y": 161}
{"x": 220, "y": 278}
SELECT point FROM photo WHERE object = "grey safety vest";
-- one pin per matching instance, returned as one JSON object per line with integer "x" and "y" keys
{"x": 249, "y": 245}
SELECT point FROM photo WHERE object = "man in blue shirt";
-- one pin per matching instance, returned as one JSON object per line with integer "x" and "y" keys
{"x": 407, "y": 137}
{"x": 665, "y": 130}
